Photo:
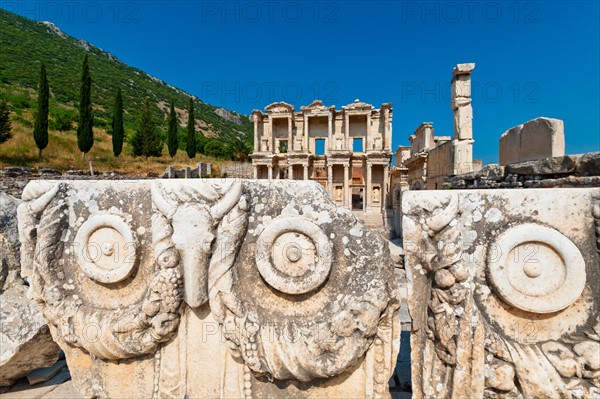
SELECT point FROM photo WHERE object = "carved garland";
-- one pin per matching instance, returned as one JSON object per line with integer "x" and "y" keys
{"x": 139, "y": 329}
{"x": 133, "y": 331}
{"x": 249, "y": 338}
{"x": 444, "y": 260}
{"x": 451, "y": 311}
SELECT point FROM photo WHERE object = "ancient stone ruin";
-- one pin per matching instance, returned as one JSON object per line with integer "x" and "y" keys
{"x": 536, "y": 139}
{"x": 218, "y": 288}
{"x": 196, "y": 287}
{"x": 347, "y": 151}
{"x": 505, "y": 293}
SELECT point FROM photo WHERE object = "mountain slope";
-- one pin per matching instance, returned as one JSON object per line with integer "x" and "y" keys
{"x": 23, "y": 43}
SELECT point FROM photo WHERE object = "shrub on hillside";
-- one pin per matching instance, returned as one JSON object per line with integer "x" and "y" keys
{"x": 62, "y": 120}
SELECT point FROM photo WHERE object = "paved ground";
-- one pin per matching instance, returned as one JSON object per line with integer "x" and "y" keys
{"x": 59, "y": 387}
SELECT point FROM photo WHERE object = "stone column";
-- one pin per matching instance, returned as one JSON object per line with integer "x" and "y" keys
{"x": 289, "y": 146}
{"x": 347, "y": 145}
{"x": 368, "y": 187}
{"x": 347, "y": 180}
{"x": 384, "y": 187}
{"x": 461, "y": 101}
{"x": 270, "y": 176}
{"x": 305, "y": 133}
{"x": 368, "y": 139}
{"x": 330, "y": 145}
{"x": 269, "y": 133}
{"x": 291, "y": 172}
{"x": 305, "y": 172}
{"x": 255, "y": 171}
{"x": 256, "y": 140}
{"x": 330, "y": 180}
{"x": 387, "y": 137}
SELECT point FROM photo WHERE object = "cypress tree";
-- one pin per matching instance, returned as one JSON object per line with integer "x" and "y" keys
{"x": 40, "y": 129}
{"x": 146, "y": 139}
{"x": 85, "y": 134}
{"x": 191, "y": 131}
{"x": 172, "y": 141}
{"x": 5, "y": 133}
{"x": 118, "y": 132}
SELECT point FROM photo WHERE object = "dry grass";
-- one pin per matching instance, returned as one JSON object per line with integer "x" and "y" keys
{"x": 62, "y": 154}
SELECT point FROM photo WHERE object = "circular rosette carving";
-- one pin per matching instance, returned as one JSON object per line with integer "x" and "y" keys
{"x": 294, "y": 255}
{"x": 70, "y": 284}
{"x": 106, "y": 248}
{"x": 314, "y": 297}
{"x": 536, "y": 269}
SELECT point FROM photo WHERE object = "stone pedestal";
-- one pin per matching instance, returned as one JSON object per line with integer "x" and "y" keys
{"x": 211, "y": 288}
{"x": 505, "y": 294}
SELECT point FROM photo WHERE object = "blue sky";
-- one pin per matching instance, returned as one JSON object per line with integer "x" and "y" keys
{"x": 533, "y": 58}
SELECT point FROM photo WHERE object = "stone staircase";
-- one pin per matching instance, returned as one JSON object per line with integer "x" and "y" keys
{"x": 373, "y": 221}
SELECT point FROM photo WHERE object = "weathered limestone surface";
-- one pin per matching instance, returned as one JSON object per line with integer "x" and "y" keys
{"x": 25, "y": 340}
{"x": 460, "y": 101}
{"x": 26, "y": 343}
{"x": 431, "y": 159}
{"x": 357, "y": 141}
{"x": 211, "y": 288}
{"x": 581, "y": 170}
{"x": 536, "y": 139}
{"x": 505, "y": 298}
{"x": 9, "y": 242}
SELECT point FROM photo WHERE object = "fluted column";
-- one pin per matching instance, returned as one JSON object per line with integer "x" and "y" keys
{"x": 270, "y": 176}
{"x": 290, "y": 172}
{"x": 305, "y": 172}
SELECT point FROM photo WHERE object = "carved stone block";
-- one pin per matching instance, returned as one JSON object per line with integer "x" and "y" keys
{"x": 536, "y": 139}
{"x": 505, "y": 296}
{"x": 210, "y": 288}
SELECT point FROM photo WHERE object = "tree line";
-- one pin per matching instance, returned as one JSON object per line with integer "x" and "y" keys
{"x": 146, "y": 140}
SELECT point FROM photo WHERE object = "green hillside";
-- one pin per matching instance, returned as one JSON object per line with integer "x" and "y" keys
{"x": 23, "y": 43}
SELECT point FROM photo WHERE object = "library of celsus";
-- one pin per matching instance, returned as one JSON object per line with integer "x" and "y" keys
{"x": 347, "y": 151}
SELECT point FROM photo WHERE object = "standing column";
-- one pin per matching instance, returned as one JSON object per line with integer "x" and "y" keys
{"x": 347, "y": 186}
{"x": 305, "y": 172}
{"x": 270, "y": 176}
{"x": 384, "y": 191}
{"x": 269, "y": 134}
{"x": 347, "y": 145}
{"x": 369, "y": 187}
{"x": 330, "y": 180}
{"x": 255, "y": 171}
{"x": 330, "y": 131}
{"x": 460, "y": 101}
{"x": 386, "y": 129}
{"x": 289, "y": 146}
{"x": 368, "y": 140}
{"x": 305, "y": 133}
{"x": 291, "y": 172}
{"x": 256, "y": 142}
